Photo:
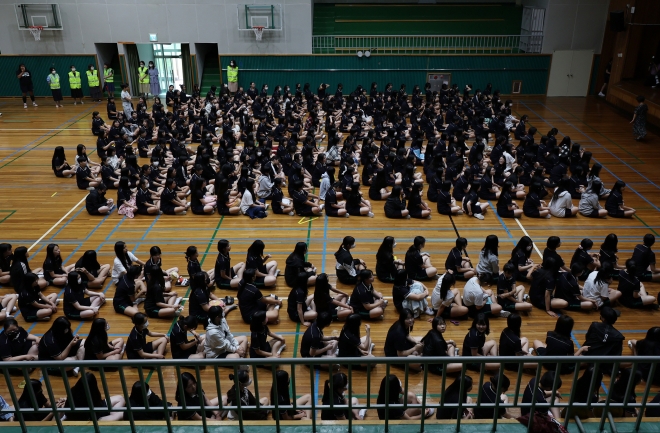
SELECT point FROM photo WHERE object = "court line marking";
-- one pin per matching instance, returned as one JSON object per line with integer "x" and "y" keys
{"x": 58, "y": 222}
{"x": 46, "y": 129}
{"x": 527, "y": 234}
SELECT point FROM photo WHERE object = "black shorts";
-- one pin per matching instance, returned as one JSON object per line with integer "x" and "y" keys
{"x": 506, "y": 213}
{"x": 635, "y": 303}
{"x": 619, "y": 213}
{"x": 446, "y": 313}
{"x": 345, "y": 278}
{"x": 226, "y": 284}
{"x": 305, "y": 211}
{"x": 394, "y": 214}
{"x": 473, "y": 310}
{"x": 645, "y": 276}
{"x": 29, "y": 313}
{"x": 153, "y": 313}
{"x": 507, "y": 304}
{"x": 419, "y": 275}
{"x": 148, "y": 348}
{"x": 121, "y": 308}
{"x": 27, "y": 88}
{"x": 532, "y": 213}
{"x": 594, "y": 214}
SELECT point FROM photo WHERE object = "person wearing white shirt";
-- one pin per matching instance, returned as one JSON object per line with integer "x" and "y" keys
{"x": 480, "y": 300}
{"x": 123, "y": 260}
{"x": 220, "y": 342}
{"x": 597, "y": 286}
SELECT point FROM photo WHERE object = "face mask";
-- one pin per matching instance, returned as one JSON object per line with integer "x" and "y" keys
{"x": 266, "y": 87}
{"x": 73, "y": 69}
{"x": 79, "y": 280}
{"x": 54, "y": 72}
{"x": 107, "y": 326}
{"x": 92, "y": 68}
{"x": 146, "y": 324}
{"x": 155, "y": 163}
{"x": 394, "y": 245}
{"x": 258, "y": 153}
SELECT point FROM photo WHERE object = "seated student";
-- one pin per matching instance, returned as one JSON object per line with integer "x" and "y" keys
{"x": 365, "y": 300}
{"x": 513, "y": 344}
{"x": 192, "y": 257}
{"x": 568, "y": 289}
{"x": 226, "y": 275}
{"x": 446, "y": 203}
{"x": 542, "y": 393}
{"x": 533, "y": 206}
{"x": 129, "y": 290}
{"x": 300, "y": 304}
{"x": 649, "y": 346}
{"x": 586, "y": 392}
{"x": 350, "y": 343}
{"x": 347, "y": 267}
{"x": 520, "y": 258}
{"x": 122, "y": 261}
{"x": 386, "y": 264}
{"x": 475, "y": 343}
{"x": 16, "y": 344}
{"x": 356, "y": 205}
{"x": 619, "y": 391}
{"x": 459, "y": 266}
{"x": 246, "y": 397}
{"x": 395, "y": 205}
{"x": 418, "y": 263}
{"x": 435, "y": 345}
{"x": 91, "y": 271}
{"x": 54, "y": 272}
{"x": 338, "y": 307}
{"x": 296, "y": 263}
{"x": 446, "y": 299}
{"x": 33, "y": 304}
{"x": 411, "y": 294}
{"x": 597, "y": 287}
{"x": 552, "y": 244}
{"x": 304, "y": 203}
{"x": 155, "y": 254}
{"x": 471, "y": 204}
{"x": 267, "y": 271}
{"x": 136, "y": 399}
{"x": 182, "y": 348}
{"x": 560, "y": 343}
{"x": 96, "y": 203}
{"x": 85, "y": 179}
{"x": 506, "y": 207}
{"x": 280, "y": 204}
{"x": 190, "y": 393}
{"x": 59, "y": 164}
{"x": 633, "y": 292}
{"x": 170, "y": 203}
{"x": 488, "y": 258}
{"x": 97, "y": 346}
{"x": 20, "y": 267}
{"x": 588, "y": 260}
{"x": 260, "y": 346}
{"x": 83, "y": 412}
{"x": 452, "y": 395}
{"x": 251, "y": 300}
{"x": 157, "y": 302}
{"x": 603, "y": 339}
{"x": 391, "y": 392}
{"x": 335, "y": 396}
{"x": 219, "y": 342}
{"x": 417, "y": 207}
{"x": 316, "y": 345}
{"x": 614, "y": 204}
{"x": 510, "y": 296}
{"x": 653, "y": 407}
{"x": 25, "y": 402}
{"x": 589, "y": 205}
{"x": 488, "y": 395}
{"x": 399, "y": 342}
{"x": 6, "y": 257}
{"x": 644, "y": 259}
{"x": 480, "y": 300}
{"x": 279, "y": 392}
{"x": 561, "y": 205}
{"x": 541, "y": 291}
{"x": 76, "y": 305}
{"x": 137, "y": 346}
{"x": 59, "y": 344}
{"x": 8, "y": 305}
{"x": 333, "y": 206}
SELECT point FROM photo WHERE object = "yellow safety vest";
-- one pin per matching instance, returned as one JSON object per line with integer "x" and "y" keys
{"x": 143, "y": 71}
{"x": 74, "y": 80}
{"x": 92, "y": 78}
{"x": 232, "y": 74}
{"x": 54, "y": 82}
{"x": 106, "y": 75}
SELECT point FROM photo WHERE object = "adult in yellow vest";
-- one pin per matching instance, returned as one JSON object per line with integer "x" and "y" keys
{"x": 53, "y": 81}
{"x": 143, "y": 78}
{"x": 109, "y": 80}
{"x": 75, "y": 82}
{"x": 94, "y": 83}
{"x": 232, "y": 76}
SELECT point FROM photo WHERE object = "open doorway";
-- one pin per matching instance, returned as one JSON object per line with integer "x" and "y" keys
{"x": 168, "y": 61}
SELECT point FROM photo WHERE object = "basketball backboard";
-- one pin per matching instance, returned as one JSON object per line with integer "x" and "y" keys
{"x": 46, "y": 15}
{"x": 267, "y": 16}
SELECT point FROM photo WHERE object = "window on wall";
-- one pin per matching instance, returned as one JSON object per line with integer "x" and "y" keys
{"x": 169, "y": 64}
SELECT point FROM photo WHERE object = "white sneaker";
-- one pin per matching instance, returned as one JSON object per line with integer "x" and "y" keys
{"x": 75, "y": 103}
{"x": 478, "y": 216}
{"x": 24, "y": 105}
{"x": 601, "y": 94}
{"x": 362, "y": 413}
{"x": 526, "y": 297}
{"x": 178, "y": 300}
{"x": 431, "y": 411}
{"x": 370, "y": 214}
{"x": 138, "y": 301}
{"x": 76, "y": 371}
{"x": 505, "y": 314}
{"x": 34, "y": 104}
{"x": 281, "y": 349}
{"x": 82, "y": 103}
{"x": 291, "y": 213}
{"x": 347, "y": 215}
{"x": 429, "y": 312}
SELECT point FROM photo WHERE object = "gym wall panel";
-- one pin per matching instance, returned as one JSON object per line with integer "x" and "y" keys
{"x": 40, "y": 66}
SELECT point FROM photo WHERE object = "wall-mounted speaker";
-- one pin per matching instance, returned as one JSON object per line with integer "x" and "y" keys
{"x": 617, "y": 21}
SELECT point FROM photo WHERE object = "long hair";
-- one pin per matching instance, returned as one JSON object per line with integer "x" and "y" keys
{"x": 98, "y": 331}
{"x": 339, "y": 382}
{"x": 89, "y": 261}
{"x": 321, "y": 292}
{"x": 280, "y": 390}
{"x": 481, "y": 319}
{"x": 386, "y": 249}
{"x": 490, "y": 245}
{"x": 119, "y": 252}
{"x": 137, "y": 396}
{"x": 79, "y": 395}
{"x": 522, "y": 245}
{"x": 57, "y": 261}
{"x": 392, "y": 385}
{"x": 448, "y": 281}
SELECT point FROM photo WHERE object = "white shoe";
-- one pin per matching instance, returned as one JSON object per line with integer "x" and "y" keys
{"x": 291, "y": 213}
{"x": 138, "y": 301}
{"x": 24, "y": 105}
{"x": 322, "y": 207}
{"x": 431, "y": 411}
{"x": 82, "y": 103}
{"x": 362, "y": 413}
{"x": 178, "y": 300}
{"x": 370, "y": 214}
{"x": 505, "y": 314}
{"x": 372, "y": 347}
{"x": 526, "y": 297}
{"x": 347, "y": 215}
{"x": 601, "y": 94}
{"x": 281, "y": 349}
{"x": 75, "y": 103}
{"x": 478, "y": 216}
{"x": 429, "y": 312}
{"x": 630, "y": 344}
{"x": 76, "y": 371}
{"x": 34, "y": 104}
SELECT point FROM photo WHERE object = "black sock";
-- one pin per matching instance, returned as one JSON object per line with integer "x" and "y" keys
{"x": 32, "y": 97}
{"x": 24, "y": 99}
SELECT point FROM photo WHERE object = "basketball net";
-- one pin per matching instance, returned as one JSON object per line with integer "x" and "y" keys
{"x": 36, "y": 32}
{"x": 258, "y": 31}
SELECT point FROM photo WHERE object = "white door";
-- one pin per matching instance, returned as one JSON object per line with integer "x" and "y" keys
{"x": 578, "y": 83}
{"x": 560, "y": 72}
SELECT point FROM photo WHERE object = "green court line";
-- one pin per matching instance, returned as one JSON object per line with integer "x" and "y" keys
{"x": 647, "y": 226}
{"x": 11, "y": 212}
{"x": 183, "y": 302}
{"x": 596, "y": 131}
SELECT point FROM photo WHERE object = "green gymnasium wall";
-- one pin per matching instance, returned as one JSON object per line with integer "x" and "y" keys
{"x": 40, "y": 67}
{"x": 416, "y": 19}
{"x": 477, "y": 70}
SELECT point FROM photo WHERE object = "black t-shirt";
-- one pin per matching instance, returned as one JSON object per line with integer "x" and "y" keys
{"x": 18, "y": 346}
{"x": 178, "y": 336}
{"x": 582, "y": 256}
{"x": 532, "y": 392}
{"x": 50, "y": 348}
{"x": 488, "y": 395}
{"x": 473, "y": 340}
{"x": 256, "y": 262}
{"x": 259, "y": 340}
{"x": 397, "y": 340}
{"x": 434, "y": 344}
{"x": 510, "y": 344}
{"x": 248, "y": 298}
{"x": 198, "y": 298}
{"x": 26, "y": 78}
{"x": 558, "y": 260}
{"x": 96, "y": 346}
{"x": 541, "y": 282}
{"x": 568, "y": 287}
{"x": 70, "y": 298}
{"x": 349, "y": 344}
{"x": 154, "y": 296}
{"x": 643, "y": 257}
{"x": 26, "y": 298}
{"x": 558, "y": 345}
{"x": 52, "y": 266}
{"x": 603, "y": 340}
{"x": 137, "y": 340}
{"x": 361, "y": 295}
{"x": 454, "y": 261}
{"x": 222, "y": 263}
{"x": 297, "y": 296}
{"x": 399, "y": 294}
{"x": 312, "y": 339}
{"x": 27, "y": 404}
{"x": 532, "y": 203}
{"x": 505, "y": 285}
{"x": 414, "y": 262}
{"x": 124, "y": 291}
{"x": 628, "y": 285}
{"x": 335, "y": 414}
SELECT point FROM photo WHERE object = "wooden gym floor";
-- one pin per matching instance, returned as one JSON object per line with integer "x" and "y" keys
{"x": 37, "y": 206}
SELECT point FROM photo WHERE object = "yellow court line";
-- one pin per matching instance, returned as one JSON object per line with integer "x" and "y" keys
{"x": 303, "y": 222}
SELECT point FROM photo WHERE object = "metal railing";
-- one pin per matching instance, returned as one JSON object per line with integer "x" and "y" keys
{"x": 268, "y": 367}
{"x": 428, "y": 44}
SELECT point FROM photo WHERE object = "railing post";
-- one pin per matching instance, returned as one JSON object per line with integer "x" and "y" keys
{"x": 122, "y": 380}
{"x": 276, "y": 414}
{"x": 53, "y": 401}
{"x": 576, "y": 373}
{"x": 166, "y": 409}
{"x": 312, "y": 380}
{"x": 200, "y": 396}
{"x": 606, "y": 409}
{"x": 647, "y": 391}
{"x": 14, "y": 399}
{"x": 88, "y": 396}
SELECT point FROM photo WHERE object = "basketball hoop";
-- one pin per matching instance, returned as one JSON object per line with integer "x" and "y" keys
{"x": 258, "y": 31}
{"x": 36, "y": 32}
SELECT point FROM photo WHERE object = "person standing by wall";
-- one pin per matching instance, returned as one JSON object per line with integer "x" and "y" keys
{"x": 75, "y": 82}
{"x": 232, "y": 76}
{"x": 94, "y": 83}
{"x": 154, "y": 81}
{"x": 126, "y": 103}
{"x": 639, "y": 119}
{"x": 608, "y": 71}
{"x": 53, "y": 80}
{"x": 25, "y": 81}
{"x": 143, "y": 78}
{"x": 109, "y": 80}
